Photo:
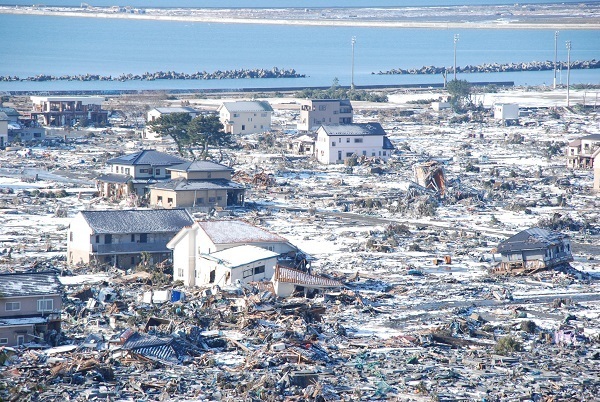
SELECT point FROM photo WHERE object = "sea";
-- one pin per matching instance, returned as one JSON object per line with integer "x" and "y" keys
{"x": 34, "y": 45}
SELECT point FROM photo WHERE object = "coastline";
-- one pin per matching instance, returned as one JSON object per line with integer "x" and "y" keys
{"x": 267, "y": 17}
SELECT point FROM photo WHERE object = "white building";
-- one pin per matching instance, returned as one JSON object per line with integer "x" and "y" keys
{"x": 162, "y": 111}
{"x": 245, "y": 117}
{"x": 3, "y": 129}
{"x": 506, "y": 111}
{"x": 337, "y": 143}
{"x": 242, "y": 263}
{"x": 317, "y": 112}
{"x": 192, "y": 244}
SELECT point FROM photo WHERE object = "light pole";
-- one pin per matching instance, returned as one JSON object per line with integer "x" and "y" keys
{"x": 555, "y": 53}
{"x": 568, "y": 69}
{"x": 455, "y": 40}
{"x": 352, "y": 79}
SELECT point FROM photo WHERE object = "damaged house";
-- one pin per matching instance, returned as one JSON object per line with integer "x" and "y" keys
{"x": 30, "y": 307}
{"x": 194, "y": 250}
{"x": 122, "y": 237}
{"x": 532, "y": 250}
{"x": 582, "y": 151}
{"x": 198, "y": 184}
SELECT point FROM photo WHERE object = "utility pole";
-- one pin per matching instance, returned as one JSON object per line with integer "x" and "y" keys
{"x": 555, "y": 54}
{"x": 568, "y": 69}
{"x": 455, "y": 40}
{"x": 352, "y": 79}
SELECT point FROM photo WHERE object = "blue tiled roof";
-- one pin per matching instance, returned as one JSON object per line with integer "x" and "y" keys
{"x": 147, "y": 157}
{"x": 137, "y": 221}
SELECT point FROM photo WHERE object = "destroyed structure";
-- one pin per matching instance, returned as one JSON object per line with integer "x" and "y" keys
{"x": 582, "y": 151}
{"x": 532, "y": 250}
{"x": 123, "y": 238}
{"x": 60, "y": 111}
{"x": 30, "y": 308}
{"x": 431, "y": 175}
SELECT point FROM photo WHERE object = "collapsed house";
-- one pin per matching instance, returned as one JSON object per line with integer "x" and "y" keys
{"x": 532, "y": 250}
{"x": 431, "y": 175}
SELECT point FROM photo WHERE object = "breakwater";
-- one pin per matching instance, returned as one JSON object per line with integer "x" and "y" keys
{"x": 166, "y": 75}
{"x": 497, "y": 68}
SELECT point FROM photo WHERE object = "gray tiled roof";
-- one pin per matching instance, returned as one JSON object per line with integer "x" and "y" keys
{"x": 200, "y": 166}
{"x": 29, "y": 284}
{"x": 355, "y": 129}
{"x": 531, "y": 239}
{"x": 170, "y": 110}
{"x": 137, "y": 220}
{"x": 227, "y": 232}
{"x": 147, "y": 157}
{"x": 190, "y": 185}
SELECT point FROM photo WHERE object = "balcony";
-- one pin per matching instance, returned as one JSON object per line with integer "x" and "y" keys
{"x": 130, "y": 248}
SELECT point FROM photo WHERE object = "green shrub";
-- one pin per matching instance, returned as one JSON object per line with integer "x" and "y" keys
{"x": 507, "y": 345}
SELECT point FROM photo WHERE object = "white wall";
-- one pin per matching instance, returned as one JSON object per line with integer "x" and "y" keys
{"x": 327, "y": 153}
{"x": 79, "y": 248}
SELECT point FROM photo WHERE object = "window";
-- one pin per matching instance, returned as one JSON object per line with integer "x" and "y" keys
{"x": 348, "y": 154}
{"x": 358, "y": 140}
{"x": 219, "y": 198}
{"x": 13, "y": 306}
{"x": 247, "y": 273}
{"x": 211, "y": 199}
{"x": 107, "y": 239}
{"x": 144, "y": 170}
{"x": 132, "y": 260}
{"x": 3, "y": 341}
{"x": 333, "y": 143}
{"x": 180, "y": 272}
{"x": 37, "y": 135}
{"x": 159, "y": 198}
{"x": 199, "y": 201}
{"x": 259, "y": 270}
{"x": 97, "y": 238}
{"x": 132, "y": 238}
{"x": 383, "y": 153}
{"x": 170, "y": 201}
{"x": 347, "y": 139}
{"x": 372, "y": 154}
{"x": 270, "y": 248}
{"x": 20, "y": 339}
{"x": 263, "y": 115}
{"x": 157, "y": 172}
{"x": 197, "y": 274}
{"x": 249, "y": 118}
{"x": 209, "y": 175}
{"x": 70, "y": 236}
{"x": 236, "y": 115}
{"x": 322, "y": 107}
{"x": 365, "y": 153}
{"x": 45, "y": 305}
{"x": 143, "y": 237}
{"x": 127, "y": 170}
{"x": 243, "y": 127}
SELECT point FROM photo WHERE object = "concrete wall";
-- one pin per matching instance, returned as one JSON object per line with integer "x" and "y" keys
{"x": 11, "y": 334}
{"x": 184, "y": 258}
{"x": 79, "y": 239}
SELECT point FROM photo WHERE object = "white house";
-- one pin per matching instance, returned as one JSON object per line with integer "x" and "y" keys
{"x": 162, "y": 111}
{"x": 337, "y": 143}
{"x": 3, "y": 129}
{"x": 245, "y": 117}
{"x": 317, "y": 112}
{"x": 208, "y": 237}
{"x": 506, "y": 111}
{"x": 241, "y": 263}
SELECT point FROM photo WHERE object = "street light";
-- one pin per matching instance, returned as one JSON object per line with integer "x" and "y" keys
{"x": 568, "y": 69}
{"x": 352, "y": 79}
{"x": 455, "y": 40}
{"x": 555, "y": 53}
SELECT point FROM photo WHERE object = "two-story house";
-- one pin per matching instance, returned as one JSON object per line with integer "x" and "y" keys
{"x": 133, "y": 173}
{"x": 245, "y": 117}
{"x": 162, "y": 111}
{"x": 324, "y": 112}
{"x": 582, "y": 151}
{"x": 119, "y": 237}
{"x": 193, "y": 245}
{"x": 68, "y": 110}
{"x": 337, "y": 143}
{"x": 30, "y": 306}
{"x": 198, "y": 184}
{"x": 533, "y": 249}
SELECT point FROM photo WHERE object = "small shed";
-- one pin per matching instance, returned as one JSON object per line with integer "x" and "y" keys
{"x": 506, "y": 111}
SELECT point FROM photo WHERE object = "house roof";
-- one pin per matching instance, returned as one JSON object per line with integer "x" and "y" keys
{"x": 593, "y": 137}
{"x": 531, "y": 239}
{"x": 354, "y": 129}
{"x": 182, "y": 184}
{"x": 234, "y": 231}
{"x": 10, "y": 111}
{"x": 200, "y": 166}
{"x": 29, "y": 284}
{"x": 147, "y": 157}
{"x": 170, "y": 110}
{"x": 247, "y": 106}
{"x": 241, "y": 255}
{"x": 575, "y": 143}
{"x": 137, "y": 220}
{"x": 164, "y": 348}
{"x": 4, "y": 117}
{"x": 387, "y": 144}
{"x": 304, "y": 138}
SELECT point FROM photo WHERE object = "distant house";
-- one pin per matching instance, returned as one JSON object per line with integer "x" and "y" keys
{"x": 3, "y": 129}
{"x": 324, "y": 112}
{"x": 506, "y": 111}
{"x": 120, "y": 237}
{"x": 245, "y": 117}
{"x": 337, "y": 143}
{"x": 582, "y": 151}
{"x": 133, "y": 173}
{"x": 69, "y": 110}
{"x": 20, "y": 129}
{"x": 162, "y": 111}
{"x": 533, "y": 249}
{"x": 198, "y": 184}
{"x": 30, "y": 307}
{"x": 192, "y": 244}
{"x": 303, "y": 145}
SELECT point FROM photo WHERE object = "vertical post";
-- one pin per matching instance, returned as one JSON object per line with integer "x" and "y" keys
{"x": 352, "y": 77}
{"x": 555, "y": 54}
{"x": 568, "y": 70}
{"x": 455, "y": 40}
